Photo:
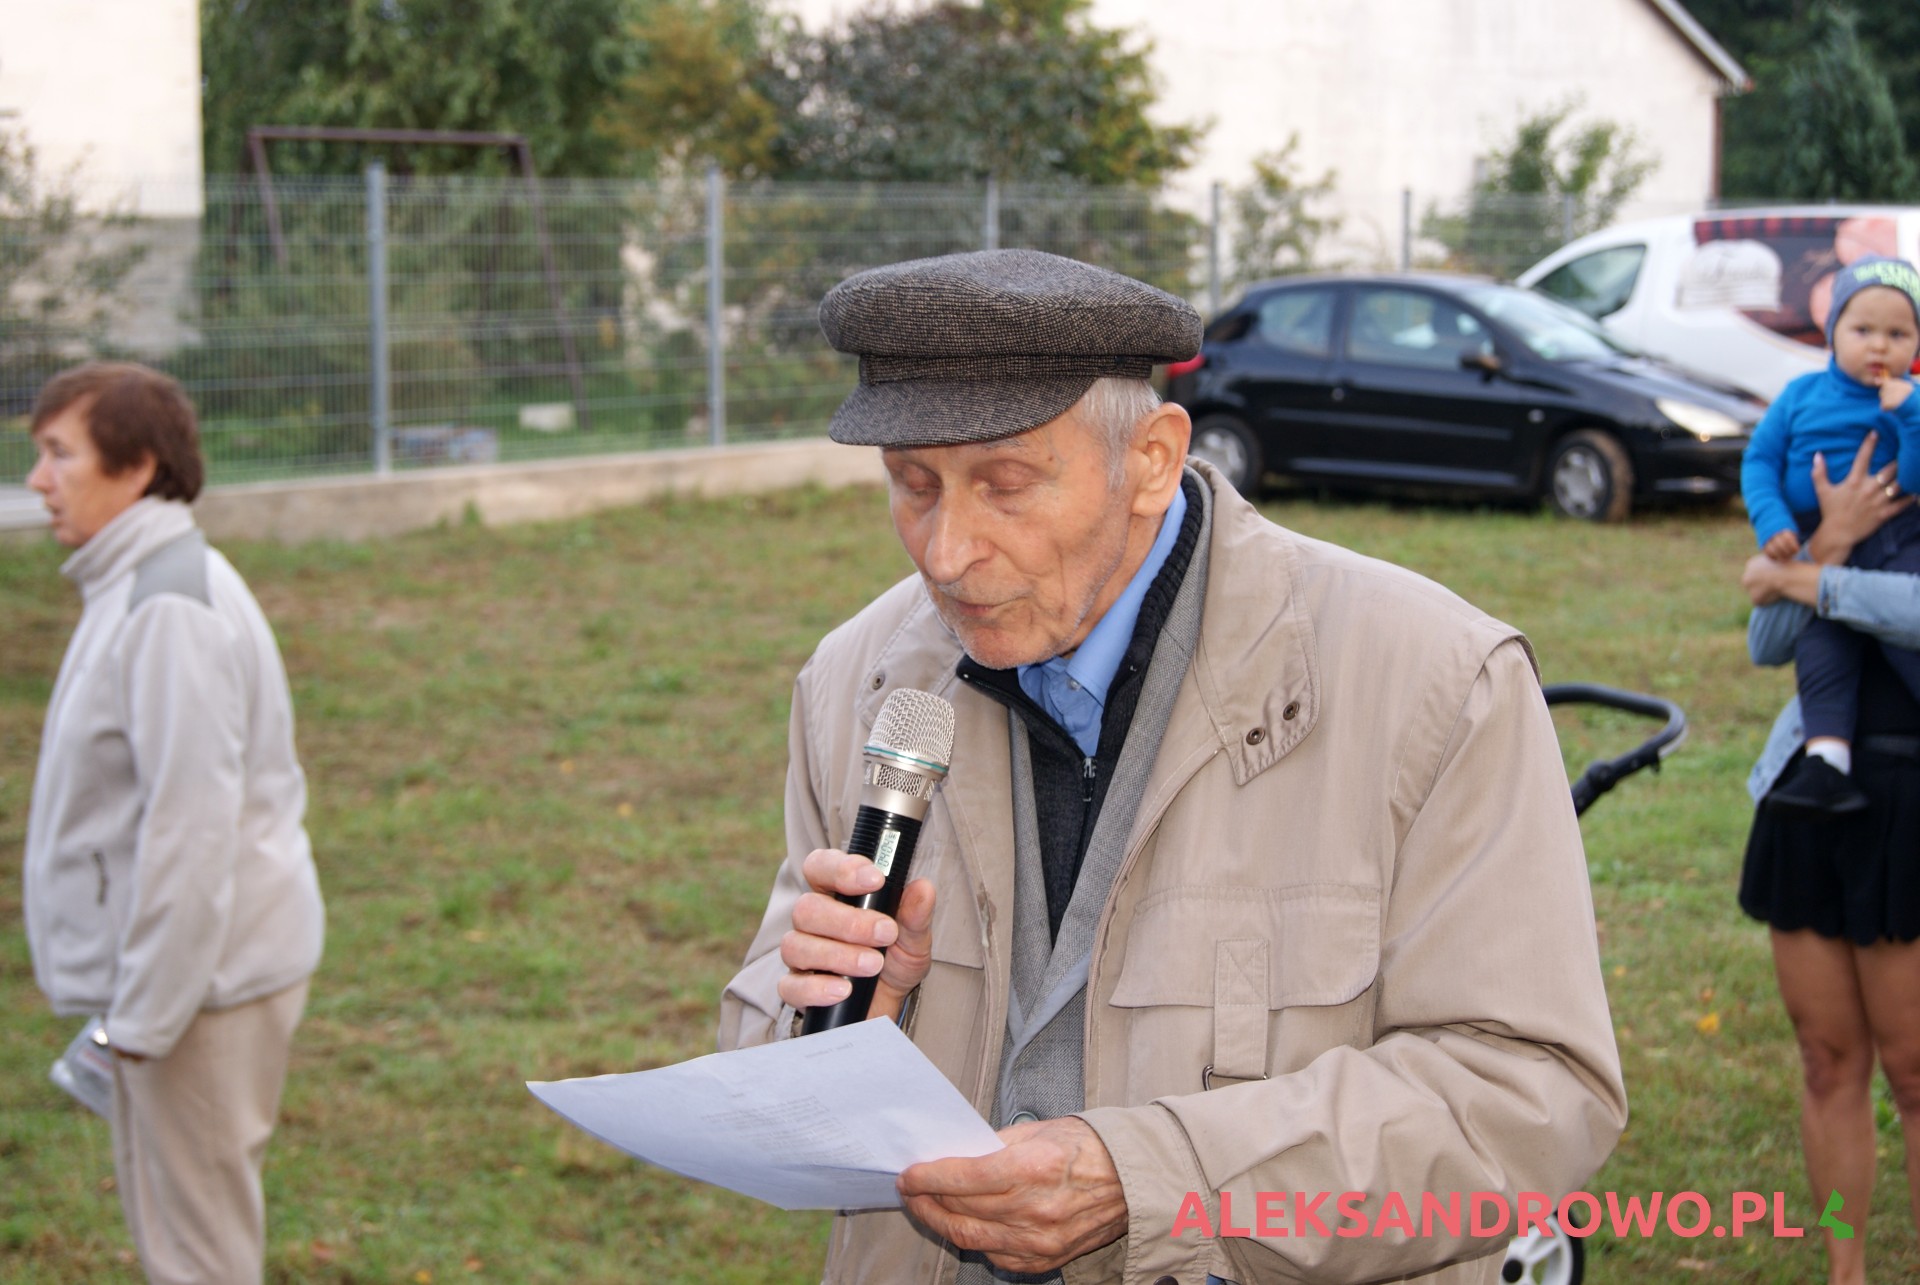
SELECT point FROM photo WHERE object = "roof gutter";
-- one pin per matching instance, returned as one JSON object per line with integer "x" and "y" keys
{"x": 1734, "y": 77}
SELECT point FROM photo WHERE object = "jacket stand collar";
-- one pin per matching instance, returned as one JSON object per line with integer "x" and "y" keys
{"x": 119, "y": 546}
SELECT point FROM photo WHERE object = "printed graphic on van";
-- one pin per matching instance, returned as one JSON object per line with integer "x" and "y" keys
{"x": 1778, "y": 271}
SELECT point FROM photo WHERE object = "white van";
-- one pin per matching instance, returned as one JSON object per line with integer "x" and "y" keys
{"x": 1740, "y": 295}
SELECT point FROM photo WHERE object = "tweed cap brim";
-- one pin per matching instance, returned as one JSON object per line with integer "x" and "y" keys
{"x": 952, "y": 412}
{"x": 973, "y": 347}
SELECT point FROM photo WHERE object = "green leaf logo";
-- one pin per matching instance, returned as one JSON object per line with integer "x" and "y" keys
{"x": 1830, "y": 1220}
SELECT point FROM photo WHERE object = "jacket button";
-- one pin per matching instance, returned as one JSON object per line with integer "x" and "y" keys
{"x": 1023, "y": 1117}
{"x": 1291, "y": 712}
{"x": 1166, "y": 1280}
{"x": 1256, "y": 736}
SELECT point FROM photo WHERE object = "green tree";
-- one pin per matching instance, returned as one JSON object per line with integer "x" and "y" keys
{"x": 545, "y": 70}
{"x": 1278, "y": 232}
{"x": 690, "y": 97}
{"x": 1768, "y": 36}
{"x": 1843, "y": 138}
{"x": 1021, "y": 90}
{"x": 1556, "y": 180}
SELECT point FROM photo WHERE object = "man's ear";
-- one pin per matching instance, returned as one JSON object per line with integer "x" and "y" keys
{"x": 1160, "y": 448}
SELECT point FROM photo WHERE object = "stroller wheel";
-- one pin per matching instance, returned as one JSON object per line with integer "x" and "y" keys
{"x": 1545, "y": 1258}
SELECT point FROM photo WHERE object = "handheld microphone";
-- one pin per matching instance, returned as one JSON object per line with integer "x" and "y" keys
{"x": 906, "y": 757}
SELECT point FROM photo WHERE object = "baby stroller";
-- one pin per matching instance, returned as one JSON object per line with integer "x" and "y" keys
{"x": 1551, "y": 1257}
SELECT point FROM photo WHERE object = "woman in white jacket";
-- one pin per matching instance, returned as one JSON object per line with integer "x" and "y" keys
{"x": 170, "y": 888}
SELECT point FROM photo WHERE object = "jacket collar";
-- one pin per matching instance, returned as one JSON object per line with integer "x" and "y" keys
{"x": 122, "y": 544}
{"x": 1256, "y": 670}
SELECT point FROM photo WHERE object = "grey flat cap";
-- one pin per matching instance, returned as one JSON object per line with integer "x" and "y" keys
{"x": 973, "y": 347}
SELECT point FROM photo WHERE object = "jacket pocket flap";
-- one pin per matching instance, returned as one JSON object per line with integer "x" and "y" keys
{"x": 1323, "y": 943}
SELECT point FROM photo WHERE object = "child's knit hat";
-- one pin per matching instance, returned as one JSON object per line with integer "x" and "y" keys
{"x": 1872, "y": 270}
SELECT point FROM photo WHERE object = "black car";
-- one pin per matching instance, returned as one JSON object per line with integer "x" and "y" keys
{"x": 1389, "y": 382}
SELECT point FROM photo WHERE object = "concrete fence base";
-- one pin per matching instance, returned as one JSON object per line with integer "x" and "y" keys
{"x": 363, "y": 507}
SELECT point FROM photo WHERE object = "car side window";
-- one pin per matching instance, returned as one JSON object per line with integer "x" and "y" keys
{"x": 1598, "y": 284}
{"x": 1298, "y": 322}
{"x": 1412, "y": 328}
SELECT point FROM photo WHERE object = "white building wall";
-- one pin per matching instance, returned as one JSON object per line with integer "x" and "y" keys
{"x": 110, "y": 91}
{"x": 1398, "y": 94}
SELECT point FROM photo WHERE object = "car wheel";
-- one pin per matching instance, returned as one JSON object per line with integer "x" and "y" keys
{"x": 1225, "y": 443}
{"x": 1590, "y": 477}
{"x": 1543, "y": 1258}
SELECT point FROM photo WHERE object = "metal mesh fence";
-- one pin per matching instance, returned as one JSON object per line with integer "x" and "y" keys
{"x": 344, "y": 324}
{"x": 517, "y": 319}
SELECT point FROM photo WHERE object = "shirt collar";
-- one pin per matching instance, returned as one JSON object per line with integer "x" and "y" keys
{"x": 1091, "y": 668}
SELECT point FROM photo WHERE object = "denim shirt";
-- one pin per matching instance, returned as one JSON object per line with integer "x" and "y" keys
{"x": 1883, "y": 604}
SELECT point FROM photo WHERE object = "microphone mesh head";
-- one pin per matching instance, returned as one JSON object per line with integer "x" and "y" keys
{"x": 916, "y": 724}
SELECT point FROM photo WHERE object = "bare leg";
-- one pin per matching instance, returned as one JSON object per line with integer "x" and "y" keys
{"x": 1821, "y": 987}
{"x": 1890, "y": 984}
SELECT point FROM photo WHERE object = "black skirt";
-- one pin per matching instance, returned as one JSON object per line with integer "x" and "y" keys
{"x": 1855, "y": 877}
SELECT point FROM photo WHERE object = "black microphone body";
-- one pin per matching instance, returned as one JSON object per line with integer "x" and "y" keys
{"x": 888, "y": 839}
{"x": 906, "y": 758}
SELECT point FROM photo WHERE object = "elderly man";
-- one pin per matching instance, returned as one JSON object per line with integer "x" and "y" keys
{"x": 1255, "y": 881}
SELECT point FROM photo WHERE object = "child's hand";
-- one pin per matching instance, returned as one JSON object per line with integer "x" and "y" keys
{"x": 1782, "y": 546}
{"x": 1893, "y": 391}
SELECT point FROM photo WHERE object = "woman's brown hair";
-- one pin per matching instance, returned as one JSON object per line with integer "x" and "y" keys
{"x": 132, "y": 412}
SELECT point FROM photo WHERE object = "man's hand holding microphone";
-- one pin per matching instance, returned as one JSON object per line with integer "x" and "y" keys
{"x": 862, "y": 940}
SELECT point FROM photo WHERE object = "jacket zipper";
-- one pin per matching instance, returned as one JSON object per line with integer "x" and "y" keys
{"x": 1089, "y": 774}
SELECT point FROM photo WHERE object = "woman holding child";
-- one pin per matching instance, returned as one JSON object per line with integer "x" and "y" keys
{"x": 1841, "y": 888}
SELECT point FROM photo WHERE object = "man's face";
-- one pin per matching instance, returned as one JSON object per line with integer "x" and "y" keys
{"x": 1876, "y": 336}
{"x": 80, "y": 495}
{"x": 1021, "y": 540}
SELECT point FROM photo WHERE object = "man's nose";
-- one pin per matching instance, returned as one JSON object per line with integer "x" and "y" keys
{"x": 40, "y": 477}
{"x": 953, "y": 546}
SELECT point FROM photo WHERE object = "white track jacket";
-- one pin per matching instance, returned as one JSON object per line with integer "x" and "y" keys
{"x": 167, "y": 868}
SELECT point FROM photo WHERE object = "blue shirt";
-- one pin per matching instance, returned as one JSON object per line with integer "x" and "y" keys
{"x": 1073, "y": 689}
{"x": 1826, "y": 412}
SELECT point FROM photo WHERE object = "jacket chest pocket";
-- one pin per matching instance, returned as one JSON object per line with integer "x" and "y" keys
{"x": 1267, "y": 977}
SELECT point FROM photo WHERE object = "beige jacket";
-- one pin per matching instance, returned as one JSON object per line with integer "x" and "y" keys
{"x": 1354, "y": 889}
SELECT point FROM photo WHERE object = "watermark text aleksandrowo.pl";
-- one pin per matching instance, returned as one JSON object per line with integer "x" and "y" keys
{"x": 1352, "y": 1215}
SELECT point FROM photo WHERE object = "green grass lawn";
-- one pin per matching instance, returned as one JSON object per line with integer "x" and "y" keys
{"x": 545, "y": 766}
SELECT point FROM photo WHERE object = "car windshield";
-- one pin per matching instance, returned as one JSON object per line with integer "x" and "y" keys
{"x": 1551, "y": 330}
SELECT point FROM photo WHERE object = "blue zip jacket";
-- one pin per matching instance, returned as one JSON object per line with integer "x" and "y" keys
{"x": 1825, "y": 412}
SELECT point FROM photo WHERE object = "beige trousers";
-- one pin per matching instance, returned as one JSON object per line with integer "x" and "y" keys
{"x": 190, "y": 1136}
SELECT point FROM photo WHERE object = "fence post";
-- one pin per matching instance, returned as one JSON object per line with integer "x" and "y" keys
{"x": 1213, "y": 252}
{"x": 716, "y": 299}
{"x": 990, "y": 238}
{"x": 382, "y": 375}
{"x": 1406, "y": 229}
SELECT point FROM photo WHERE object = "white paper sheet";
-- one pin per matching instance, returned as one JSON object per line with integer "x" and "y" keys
{"x": 820, "y": 1122}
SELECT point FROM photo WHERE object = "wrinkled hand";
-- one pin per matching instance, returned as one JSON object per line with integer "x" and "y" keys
{"x": 1781, "y": 546}
{"x": 1893, "y": 391}
{"x": 831, "y": 941}
{"x": 1051, "y": 1195}
{"x": 1853, "y": 508}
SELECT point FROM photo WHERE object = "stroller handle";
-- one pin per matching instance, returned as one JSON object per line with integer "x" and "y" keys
{"x": 1604, "y": 774}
